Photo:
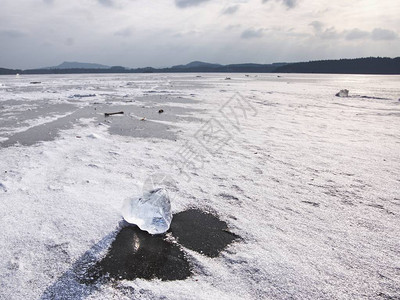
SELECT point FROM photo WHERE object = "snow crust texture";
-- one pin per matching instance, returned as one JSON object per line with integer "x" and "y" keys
{"x": 309, "y": 181}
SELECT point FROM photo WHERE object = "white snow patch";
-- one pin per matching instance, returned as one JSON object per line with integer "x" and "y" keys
{"x": 309, "y": 181}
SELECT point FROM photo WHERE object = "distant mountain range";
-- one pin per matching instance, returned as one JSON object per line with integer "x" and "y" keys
{"x": 368, "y": 65}
{"x": 197, "y": 64}
{"x": 78, "y": 65}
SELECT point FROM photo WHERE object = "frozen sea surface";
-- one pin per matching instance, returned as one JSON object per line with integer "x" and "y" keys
{"x": 309, "y": 181}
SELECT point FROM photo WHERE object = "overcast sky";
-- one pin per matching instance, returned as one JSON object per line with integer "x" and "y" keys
{"x": 138, "y": 33}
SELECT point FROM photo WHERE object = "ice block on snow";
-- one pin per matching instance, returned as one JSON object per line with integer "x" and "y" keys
{"x": 150, "y": 212}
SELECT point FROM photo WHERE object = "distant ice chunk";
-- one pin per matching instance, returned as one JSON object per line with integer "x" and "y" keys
{"x": 82, "y": 95}
{"x": 93, "y": 136}
{"x": 150, "y": 212}
{"x": 343, "y": 93}
{"x": 3, "y": 187}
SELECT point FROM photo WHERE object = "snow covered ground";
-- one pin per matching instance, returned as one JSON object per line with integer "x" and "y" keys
{"x": 309, "y": 181}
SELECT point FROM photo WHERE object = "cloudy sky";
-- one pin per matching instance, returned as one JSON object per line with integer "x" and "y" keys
{"x": 138, "y": 33}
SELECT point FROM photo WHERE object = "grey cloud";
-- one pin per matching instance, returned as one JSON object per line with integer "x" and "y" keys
{"x": 233, "y": 27}
{"x": 383, "y": 34}
{"x": 191, "y": 33}
{"x": 107, "y": 3}
{"x": 356, "y": 34}
{"x": 69, "y": 42}
{"x": 12, "y": 33}
{"x": 329, "y": 34}
{"x": 127, "y": 32}
{"x": 188, "y": 3}
{"x": 233, "y": 39}
{"x": 252, "y": 33}
{"x": 321, "y": 32}
{"x": 317, "y": 25}
{"x": 288, "y": 3}
{"x": 230, "y": 10}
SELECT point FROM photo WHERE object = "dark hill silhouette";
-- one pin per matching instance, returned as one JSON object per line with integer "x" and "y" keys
{"x": 4, "y": 71}
{"x": 196, "y": 64}
{"x": 368, "y": 65}
{"x": 78, "y": 65}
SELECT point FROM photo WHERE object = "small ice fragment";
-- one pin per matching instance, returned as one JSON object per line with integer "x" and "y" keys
{"x": 3, "y": 187}
{"x": 150, "y": 212}
{"x": 82, "y": 95}
{"x": 343, "y": 93}
{"x": 93, "y": 136}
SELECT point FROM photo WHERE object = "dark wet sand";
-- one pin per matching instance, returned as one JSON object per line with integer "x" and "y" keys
{"x": 138, "y": 254}
{"x": 201, "y": 232}
{"x": 128, "y": 124}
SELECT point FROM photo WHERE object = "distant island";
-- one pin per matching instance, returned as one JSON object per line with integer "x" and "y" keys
{"x": 367, "y": 65}
{"x": 77, "y": 65}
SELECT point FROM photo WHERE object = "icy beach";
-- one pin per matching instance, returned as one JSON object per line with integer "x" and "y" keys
{"x": 306, "y": 182}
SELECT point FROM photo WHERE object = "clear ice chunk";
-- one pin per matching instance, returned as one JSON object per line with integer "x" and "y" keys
{"x": 150, "y": 212}
{"x": 342, "y": 93}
